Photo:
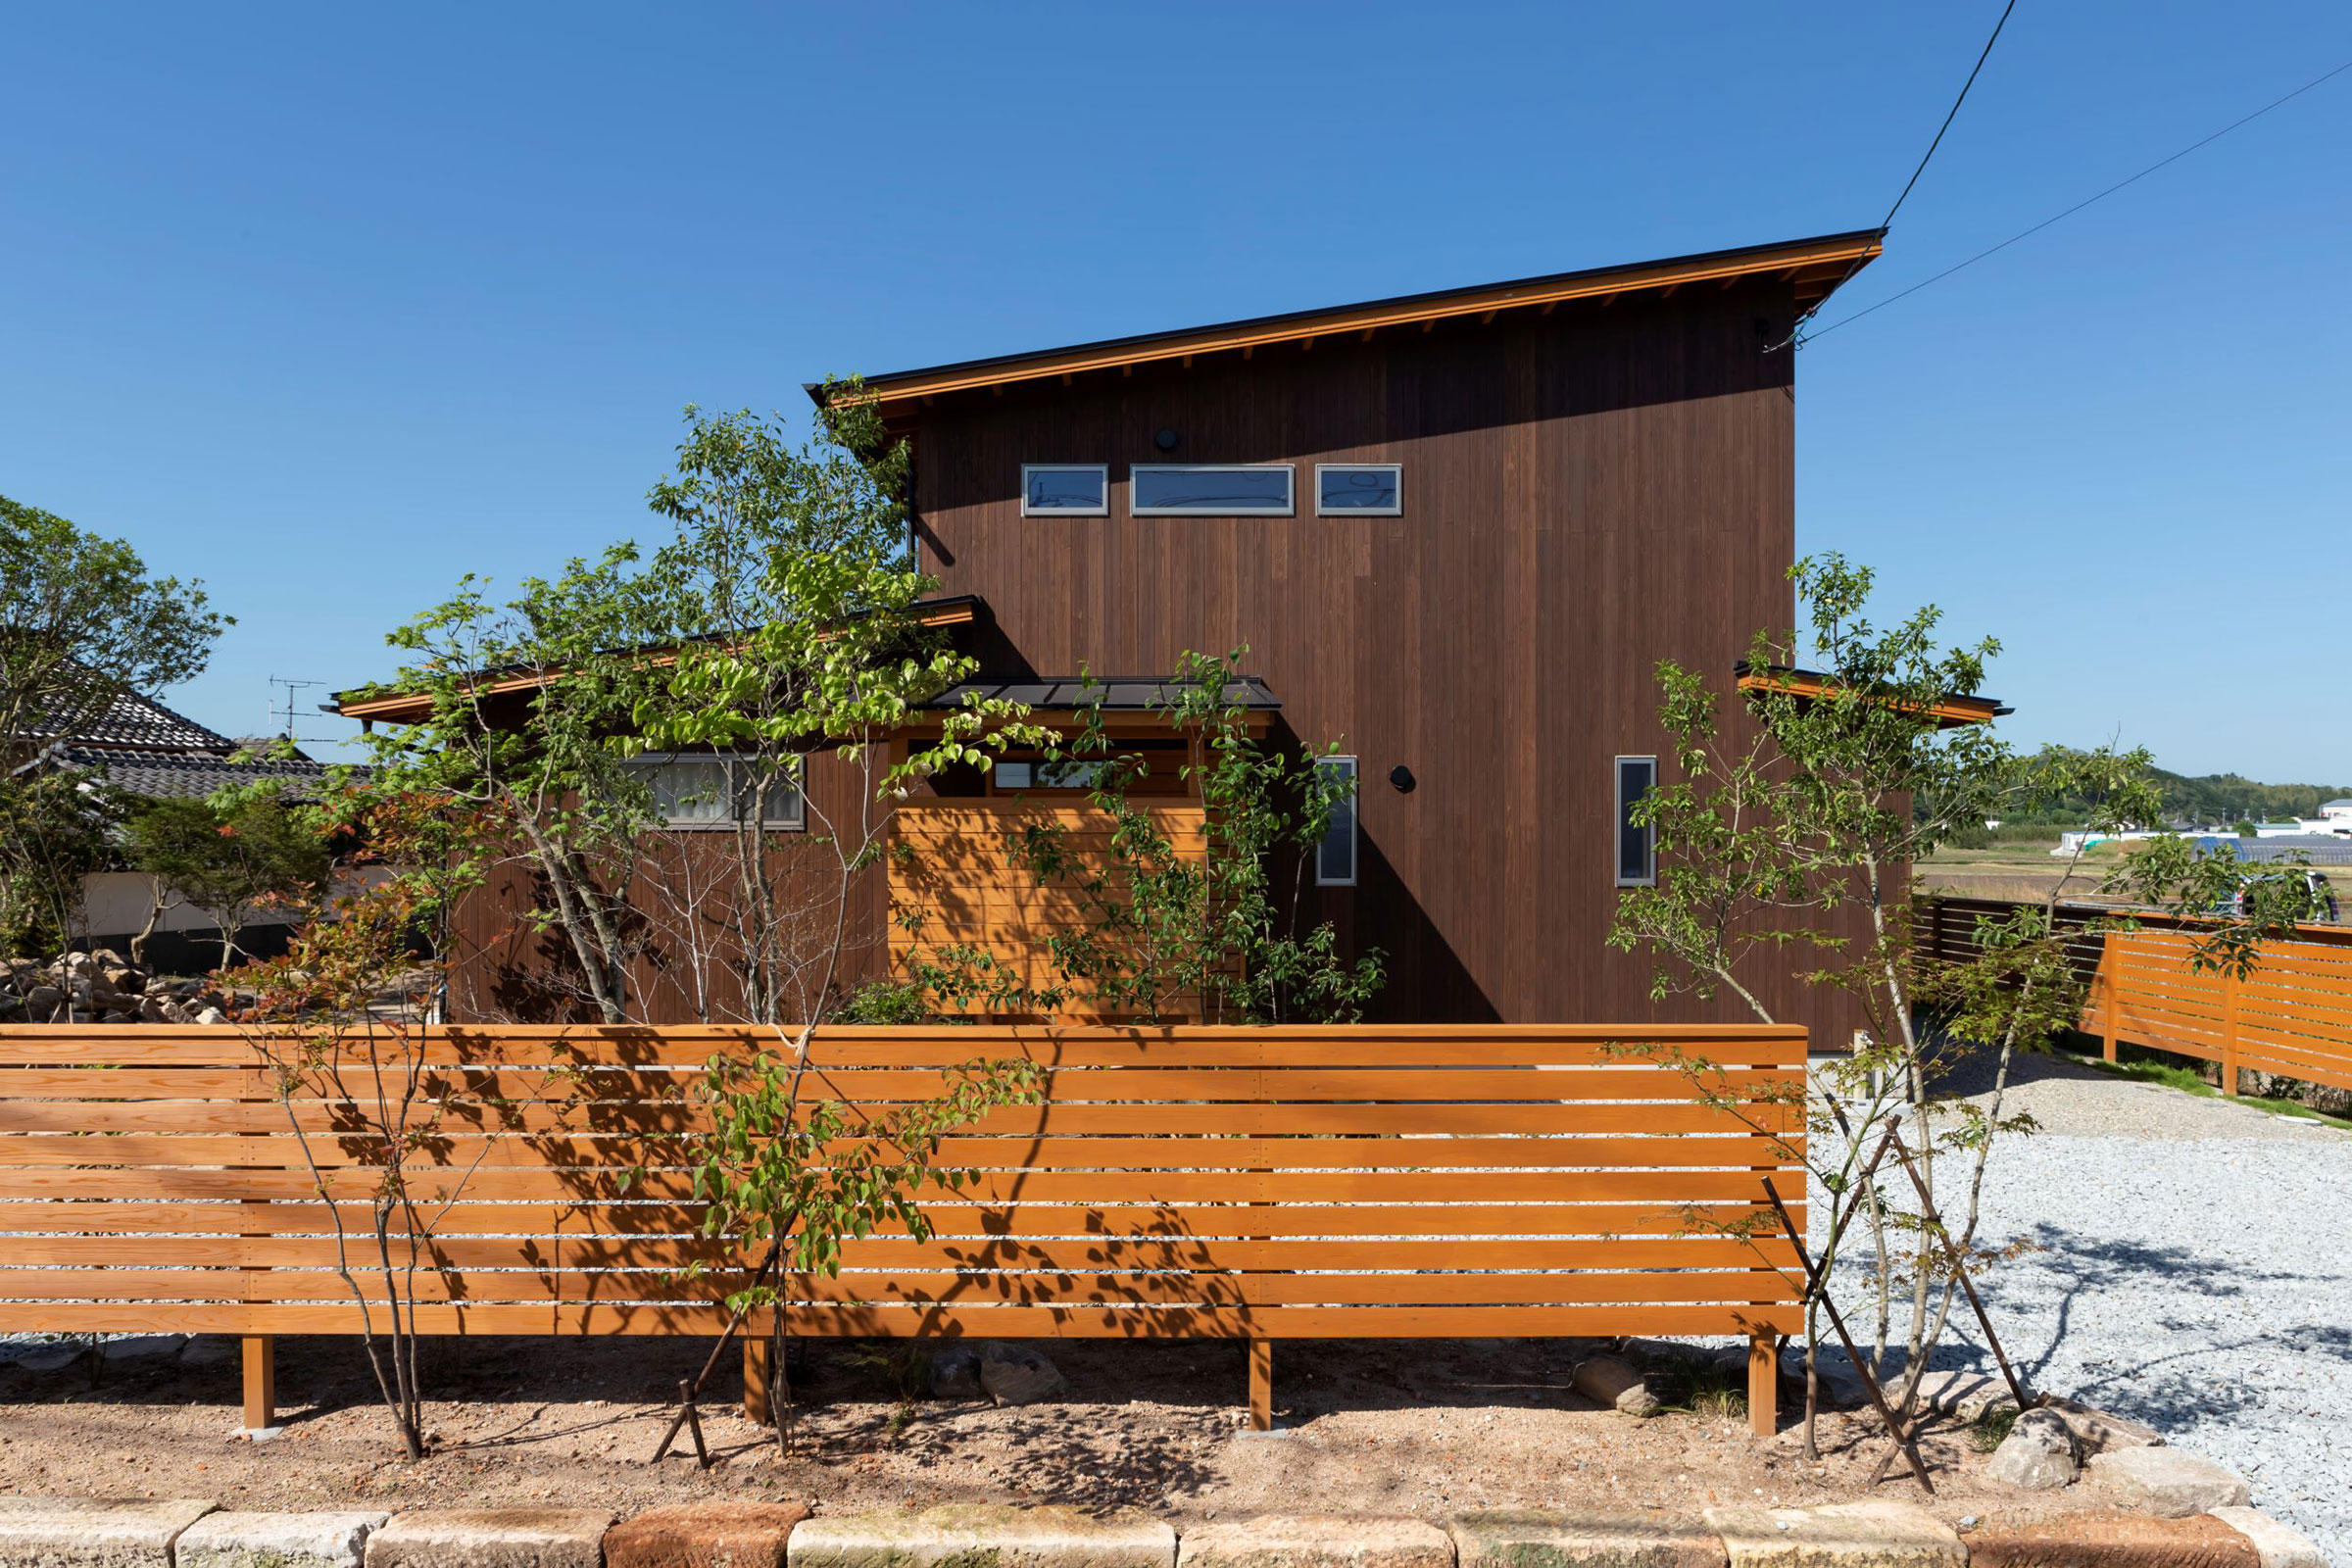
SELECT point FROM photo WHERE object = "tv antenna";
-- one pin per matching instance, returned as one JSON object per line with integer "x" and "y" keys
{"x": 281, "y": 719}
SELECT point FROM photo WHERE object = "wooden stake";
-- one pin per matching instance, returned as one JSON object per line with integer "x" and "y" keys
{"x": 1261, "y": 1385}
{"x": 260, "y": 1381}
{"x": 1763, "y": 1384}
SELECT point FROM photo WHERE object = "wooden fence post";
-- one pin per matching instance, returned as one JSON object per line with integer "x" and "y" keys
{"x": 1764, "y": 1383}
{"x": 758, "y": 1375}
{"x": 1261, "y": 1385}
{"x": 2230, "y": 1032}
{"x": 261, "y": 1381}
{"x": 2107, "y": 965}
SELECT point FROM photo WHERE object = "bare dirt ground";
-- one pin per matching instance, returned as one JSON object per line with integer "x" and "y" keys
{"x": 1398, "y": 1427}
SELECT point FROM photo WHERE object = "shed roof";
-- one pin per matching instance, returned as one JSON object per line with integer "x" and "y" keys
{"x": 1817, "y": 266}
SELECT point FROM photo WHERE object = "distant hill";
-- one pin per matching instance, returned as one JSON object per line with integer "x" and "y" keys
{"x": 2229, "y": 797}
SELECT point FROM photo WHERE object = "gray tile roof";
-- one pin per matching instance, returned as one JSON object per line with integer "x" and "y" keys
{"x": 149, "y": 773}
{"x": 136, "y": 723}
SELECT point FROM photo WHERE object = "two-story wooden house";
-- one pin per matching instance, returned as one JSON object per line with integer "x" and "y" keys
{"x": 1457, "y": 532}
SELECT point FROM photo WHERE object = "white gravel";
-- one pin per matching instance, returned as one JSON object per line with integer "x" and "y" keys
{"x": 2191, "y": 1268}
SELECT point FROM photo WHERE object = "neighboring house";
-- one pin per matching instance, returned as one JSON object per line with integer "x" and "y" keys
{"x": 140, "y": 747}
{"x": 1457, "y": 532}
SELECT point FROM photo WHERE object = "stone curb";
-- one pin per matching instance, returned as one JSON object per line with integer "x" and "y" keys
{"x": 1315, "y": 1540}
{"x": 244, "y": 1540}
{"x": 982, "y": 1536}
{"x": 94, "y": 1532}
{"x": 191, "y": 1532}
{"x": 490, "y": 1538}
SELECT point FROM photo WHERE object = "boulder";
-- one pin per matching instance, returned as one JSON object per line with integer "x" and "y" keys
{"x": 1611, "y": 1380}
{"x": 2099, "y": 1432}
{"x": 2040, "y": 1453}
{"x": 42, "y": 1003}
{"x": 2169, "y": 1483}
{"x": 956, "y": 1372}
{"x": 1014, "y": 1374}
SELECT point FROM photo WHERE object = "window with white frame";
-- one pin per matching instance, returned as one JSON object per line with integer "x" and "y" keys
{"x": 1065, "y": 489}
{"x": 1636, "y": 841}
{"x": 1335, "y": 857}
{"x": 723, "y": 789}
{"x": 1210, "y": 490}
{"x": 1359, "y": 489}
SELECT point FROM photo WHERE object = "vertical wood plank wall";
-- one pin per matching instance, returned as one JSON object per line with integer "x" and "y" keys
{"x": 1585, "y": 494}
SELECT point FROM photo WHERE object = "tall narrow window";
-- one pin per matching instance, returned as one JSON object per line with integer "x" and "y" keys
{"x": 1636, "y": 841}
{"x": 1335, "y": 857}
{"x": 1065, "y": 490}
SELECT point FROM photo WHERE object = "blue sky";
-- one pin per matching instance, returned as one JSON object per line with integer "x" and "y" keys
{"x": 329, "y": 305}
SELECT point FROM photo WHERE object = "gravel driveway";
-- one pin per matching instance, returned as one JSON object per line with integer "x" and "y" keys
{"x": 2193, "y": 1270}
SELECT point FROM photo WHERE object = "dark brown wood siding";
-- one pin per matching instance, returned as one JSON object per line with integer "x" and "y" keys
{"x": 1585, "y": 494}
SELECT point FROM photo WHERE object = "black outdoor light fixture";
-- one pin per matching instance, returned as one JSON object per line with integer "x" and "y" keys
{"x": 1402, "y": 777}
{"x": 1167, "y": 439}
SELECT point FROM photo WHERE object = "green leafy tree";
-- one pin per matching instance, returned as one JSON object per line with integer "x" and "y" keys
{"x": 83, "y": 625}
{"x": 229, "y": 854}
{"x": 1783, "y": 842}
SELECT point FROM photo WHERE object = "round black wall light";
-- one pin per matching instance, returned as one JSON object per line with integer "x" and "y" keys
{"x": 1402, "y": 777}
{"x": 1165, "y": 440}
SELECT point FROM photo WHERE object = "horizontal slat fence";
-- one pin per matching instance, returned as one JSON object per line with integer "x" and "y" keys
{"x": 2291, "y": 1015}
{"x": 1181, "y": 1182}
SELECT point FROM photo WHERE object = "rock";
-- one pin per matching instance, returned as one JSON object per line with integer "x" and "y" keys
{"x": 1612, "y": 1380}
{"x": 489, "y": 1538}
{"x": 2328, "y": 1100}
{"x": 41, "y": 1002}
{"x": 211, "y": 1015}
{"x": 1315, "y": 1540}
{"x": 1014, "y": 1374}
{"x": 2039, "y": 1455}
{"x": 2169, "y": 1483}
{"x": 94, "y": 1533}
{"x": 709, "y": 1535}
{"x": 119, "y": 1016}
{"x": 1526, "y": 1539}
{"x": 956, "y": 1372}
{"x": 1963, "y": 1396}
{"x": 2099, "y": 1432}
{"x": 1880, "y": 1534}
{"x": 151, "y": 1009}
{"x": 2276, "y": 1545}
{"x": 210, "y": 1350}
{"x": 2111, "y": 1541}
{"x": 982, "y": 1536}
{"x": 140, "y": 1347}
{"x": 53, "y": 1357}
{"x": 276, "y": 1541}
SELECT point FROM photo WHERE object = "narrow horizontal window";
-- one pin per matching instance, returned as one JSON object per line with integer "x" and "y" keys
{"x": 1208, "y": 490}
{"x": 715, "y": 789}
{"x": 1065, "y": 489}
{"x": 1359, "y": 489}
{"x": 1335, "y": 857}
{"x": 1636, "y": 841}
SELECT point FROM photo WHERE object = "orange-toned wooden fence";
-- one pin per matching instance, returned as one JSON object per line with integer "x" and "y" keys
{"x": 1244, "y": 1183}
{"x": 954, "y": 881}
{"x": 2291, "y": 1015}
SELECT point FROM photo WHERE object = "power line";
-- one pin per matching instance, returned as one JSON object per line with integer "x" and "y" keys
{"x": 1950, "y": 115}
{"x": 1953, "y": 115}
{"x": 2079, "y": 206}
